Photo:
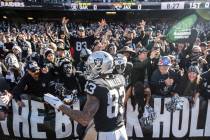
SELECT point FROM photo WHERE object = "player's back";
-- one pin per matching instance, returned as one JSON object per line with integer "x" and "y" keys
{"x": 110, "y": 92}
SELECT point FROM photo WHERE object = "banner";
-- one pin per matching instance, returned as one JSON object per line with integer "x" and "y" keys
{"x": 181, "y": 31}
{"x": 39, "y": 121}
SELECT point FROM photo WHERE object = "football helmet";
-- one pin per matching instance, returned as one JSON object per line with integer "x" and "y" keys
{"x": 99, "y": 63}
{"x": 120, "y": 62}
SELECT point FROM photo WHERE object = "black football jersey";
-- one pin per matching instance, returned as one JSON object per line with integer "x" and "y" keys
{"x": 111, "y": 93}
{"x": 78, "y": 44}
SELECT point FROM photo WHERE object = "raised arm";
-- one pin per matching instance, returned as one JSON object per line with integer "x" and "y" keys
{"x": 101, "y": 24}
{"x": 64, "y": 23}
{"x": 86, "y": 115}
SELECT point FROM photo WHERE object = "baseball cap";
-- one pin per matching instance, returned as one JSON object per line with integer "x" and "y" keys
{"x": 203, "y": 44}
{"x": 149, "y": 29}
{"x": 158, "y": 31}
{"x": 48, "y": 51}
{"x": 164, "y": 61}
{"x": 32, "y": 66}
{"x": 81, "y": 28}
{"x": 143, "y": 49}
{"x": 17, "y": 48}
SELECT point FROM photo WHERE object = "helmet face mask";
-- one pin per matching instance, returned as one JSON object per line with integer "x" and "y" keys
{"x": 68, "y": 69}
{"x": 120, "y": 62}
{"x": 120, "y": 68}
{"x": 99, "y": 63}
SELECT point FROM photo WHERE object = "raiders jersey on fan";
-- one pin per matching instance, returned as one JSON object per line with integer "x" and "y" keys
{"x": 110, "y": 92}
{"x": 78, "y": 44}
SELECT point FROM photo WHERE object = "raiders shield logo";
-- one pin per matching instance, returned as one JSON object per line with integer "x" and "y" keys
{"x": 98, "y": 62}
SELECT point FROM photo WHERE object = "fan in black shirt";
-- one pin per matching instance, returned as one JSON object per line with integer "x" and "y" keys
{"x": 163, "y": 79}
{"x": 34, "y": 82}
{"x": 190, "y": 84}
{"x": 81, "y": 40}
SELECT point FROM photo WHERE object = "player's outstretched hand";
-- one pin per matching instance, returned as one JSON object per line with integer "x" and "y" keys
{"x": 6, "y": 97}
{"x": 53, "y": 100}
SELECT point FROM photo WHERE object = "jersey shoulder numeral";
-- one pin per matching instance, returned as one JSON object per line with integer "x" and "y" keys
{"x": 90, "y": 87}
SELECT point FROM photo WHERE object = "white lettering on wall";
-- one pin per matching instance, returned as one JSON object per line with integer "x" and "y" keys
{"x": 22, "y": 118}
{"x": 36, "y": 119}
{"x": 194, "y": 132}
{"x": 62, "y": 120}
{"x": 162, "y": 119}
{"x": 207, "y": 126}
{"x": 132, "y": 121}
{"x": 179, "y": 133}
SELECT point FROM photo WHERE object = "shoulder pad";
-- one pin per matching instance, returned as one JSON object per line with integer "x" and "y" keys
{"x": 116, "y": 81}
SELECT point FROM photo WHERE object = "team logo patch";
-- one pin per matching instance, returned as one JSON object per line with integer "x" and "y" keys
{"x": 98, "y": 61}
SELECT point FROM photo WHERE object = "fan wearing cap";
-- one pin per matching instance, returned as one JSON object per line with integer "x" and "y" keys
{"x": 128, "y": 52}
{"x": 81, "y": 40}
{"x": 163, "y": 79}
{"x": 190, "y": 84}
{"x": 34, "y": 82}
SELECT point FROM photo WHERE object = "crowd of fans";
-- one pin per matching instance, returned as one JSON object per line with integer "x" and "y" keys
{"x": 37, "y": 58}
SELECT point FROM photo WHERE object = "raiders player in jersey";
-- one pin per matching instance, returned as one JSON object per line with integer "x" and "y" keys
{"x": 105, "y": 99}
{"x": 81, "y": 40}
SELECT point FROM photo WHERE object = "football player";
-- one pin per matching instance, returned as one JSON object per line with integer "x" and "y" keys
{"x": 105, "y": 99}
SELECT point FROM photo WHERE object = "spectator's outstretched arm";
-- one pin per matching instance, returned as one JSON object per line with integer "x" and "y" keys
{"x": 64, "y": 23}
{"x": 48, "y": 33}
{"x": 101, "y": 24}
